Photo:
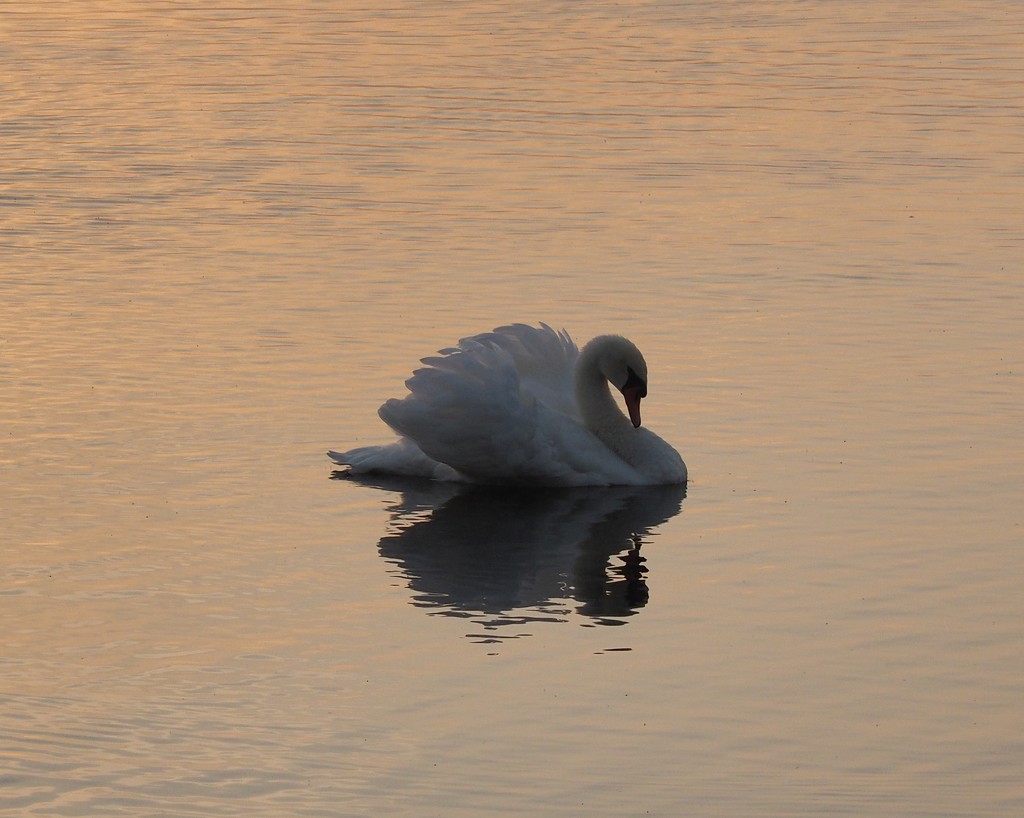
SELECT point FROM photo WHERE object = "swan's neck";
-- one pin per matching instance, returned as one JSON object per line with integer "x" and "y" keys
{"x": 598, "y": 409}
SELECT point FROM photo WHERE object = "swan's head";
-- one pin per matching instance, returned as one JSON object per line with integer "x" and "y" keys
{"x": 621, "y": 363}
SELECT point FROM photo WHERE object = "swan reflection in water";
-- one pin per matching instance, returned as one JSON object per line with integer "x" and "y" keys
{"x": 505, "y": 557}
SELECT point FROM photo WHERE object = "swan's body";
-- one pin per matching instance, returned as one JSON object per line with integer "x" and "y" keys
{"x": 522, "y": 405}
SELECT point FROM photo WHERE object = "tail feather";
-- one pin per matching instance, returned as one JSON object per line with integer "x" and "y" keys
{"x": 401, "y": 458}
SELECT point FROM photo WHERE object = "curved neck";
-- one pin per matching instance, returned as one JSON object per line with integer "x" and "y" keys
{"x": 597, "y": 407}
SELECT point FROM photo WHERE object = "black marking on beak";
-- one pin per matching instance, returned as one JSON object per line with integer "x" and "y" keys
{"x": 635, "y": 382}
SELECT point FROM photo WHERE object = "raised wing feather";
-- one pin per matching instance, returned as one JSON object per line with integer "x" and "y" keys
{"x": 544, "y": 359}
{"x": 491, "y": 410}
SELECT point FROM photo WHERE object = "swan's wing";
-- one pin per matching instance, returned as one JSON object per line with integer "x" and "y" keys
{"x": 544, "y": 359}
{"x": 473, "y": 409}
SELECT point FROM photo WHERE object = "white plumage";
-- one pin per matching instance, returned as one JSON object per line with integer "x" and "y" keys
{"x": 522, "y": 405}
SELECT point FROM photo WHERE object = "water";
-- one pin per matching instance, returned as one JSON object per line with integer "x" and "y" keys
{"x": 228, "y": 235}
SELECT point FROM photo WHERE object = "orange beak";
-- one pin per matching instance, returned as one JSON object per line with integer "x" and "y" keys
{"x": 632, "y": 394}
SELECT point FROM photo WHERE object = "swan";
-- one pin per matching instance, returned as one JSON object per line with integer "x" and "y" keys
{"x": 522, "y": 405}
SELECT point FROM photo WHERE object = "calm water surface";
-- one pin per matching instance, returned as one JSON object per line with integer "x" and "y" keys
{"x": 226, "y": 235}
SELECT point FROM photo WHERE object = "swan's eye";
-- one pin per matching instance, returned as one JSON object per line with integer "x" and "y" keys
{"x": 635, "y": 382}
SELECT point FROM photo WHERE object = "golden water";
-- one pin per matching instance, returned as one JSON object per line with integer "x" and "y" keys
{"x": 226, "y": 235}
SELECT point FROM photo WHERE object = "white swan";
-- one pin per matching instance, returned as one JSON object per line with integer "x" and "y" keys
{"x": 522, "y": 405}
